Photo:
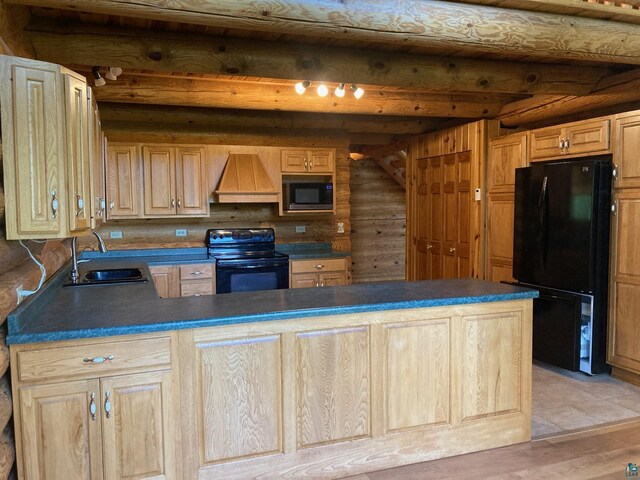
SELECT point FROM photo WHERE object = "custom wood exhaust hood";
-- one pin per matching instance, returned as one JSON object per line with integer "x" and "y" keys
{"x": 245, "y": 180}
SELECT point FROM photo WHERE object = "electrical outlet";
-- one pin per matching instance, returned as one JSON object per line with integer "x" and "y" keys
{"x": 115, "y": 234}
{"x": 181, "y": 232}
{"x": 301, "y": 229}
{"x": 340, "y": 227}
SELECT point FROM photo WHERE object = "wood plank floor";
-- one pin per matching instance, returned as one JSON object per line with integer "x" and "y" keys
{"x": 601, "y": 453}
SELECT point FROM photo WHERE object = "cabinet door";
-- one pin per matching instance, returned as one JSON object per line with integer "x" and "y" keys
{"x": 320, "y": 161}
{"x": 123, "y": 181}
{"x": 505, "y": 155}
{"x": 79, "y": 182}
{"x": 240, "y": 400}
{"x": 192, "y": 197}
{"x": 166, "y": 281}
{"x": 334, "y": 386}
{"x": 97, "y": 165}
{"x": 545, "y": 143}
{"x": 139, "y": 433}
{"x": 624, "y": 291}
{"x": 626, "y": 146}
{"x": 500, "y": 213}
{"x": 332, "y": 279}
{"x": 588, "y": 137}
{"x": 159, "y": 180}
{"x": 61, "y": 439}
{"x": 33, "y": 150}
{"x": 293, "y": 161}
{"x": 304, "y": 280}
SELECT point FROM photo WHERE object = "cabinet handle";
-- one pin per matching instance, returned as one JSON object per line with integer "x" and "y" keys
{"x": 107, "y": 358}
{"x": 614, "y": 172}
{"x": 561, "y": 144}
{"x": 452, "y": 249}
{"x": 173, "y": 203}
{"x": 322, "y": 283}
{"x": 112, "y": 204}
{"x": 319, "y": 267}
{"x": 429, "y": 247}
{"x": 567, "y": 143}
{"x": 317, "y": 283}
{"x": 196, "y": 273}
{"x": 79, "y": 205}
{"x": 614, "y": 208}
{"x": 306, "y": 164}
{"x": 54, "y": 204}
{"x": 179, "y": 203}
{"x": 107, "y": 403}
{"x": 92, "y": 406}
{"x": 102, "y": 204}
{"x": 311, "y": 163}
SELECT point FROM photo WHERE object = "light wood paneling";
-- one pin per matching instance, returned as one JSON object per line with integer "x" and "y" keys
{"x": 239, "y": 397}
{"x": 626, "y": 145}
{"x": 333, "y": 402}
{"x": 60, "y": 438}
{"x": 491, "y": 362}
{"x": 139, "y": 435}
{"x": 417, "y": 374}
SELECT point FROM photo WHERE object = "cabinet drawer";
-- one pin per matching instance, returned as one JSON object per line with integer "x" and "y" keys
{"x": 195, "y": 288}
{"x": 317, "y": 265}
{"x": 196, "y": 271}
{"x": 47, "y": 364}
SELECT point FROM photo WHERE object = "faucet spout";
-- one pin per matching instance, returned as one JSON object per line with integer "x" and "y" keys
{"x": 74, "y": 254}
{"x": 101, "y": 246}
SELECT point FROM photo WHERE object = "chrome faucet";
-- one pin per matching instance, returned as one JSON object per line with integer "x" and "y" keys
{"x": 74, "y": 253}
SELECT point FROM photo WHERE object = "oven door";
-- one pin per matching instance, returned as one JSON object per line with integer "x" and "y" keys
{"x": 251, "y": 275}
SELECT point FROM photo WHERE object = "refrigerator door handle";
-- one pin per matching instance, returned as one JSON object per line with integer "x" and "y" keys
{"x": 542, "y": 204}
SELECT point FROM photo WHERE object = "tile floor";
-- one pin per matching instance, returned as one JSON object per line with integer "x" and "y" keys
{"x": 564, "y": 400}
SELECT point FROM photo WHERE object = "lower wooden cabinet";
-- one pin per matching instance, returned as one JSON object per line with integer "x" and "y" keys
{"x": 107, "y": 426}
{"x": 319, "y": 272}
{"x": 188, "y": 280}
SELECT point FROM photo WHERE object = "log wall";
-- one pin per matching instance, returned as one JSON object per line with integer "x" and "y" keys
{"x": 378, "y": 224}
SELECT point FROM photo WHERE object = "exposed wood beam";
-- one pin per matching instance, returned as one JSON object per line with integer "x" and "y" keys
{"x": 114, "y": 113}
{"x": 427, "y": 23}
{"x": 175, "y": 52}
{"x": 171, "y": 90}
{"x": 13, "y": 41}
{"x": 620, "y": 89}
{"x": 152, "y": 132}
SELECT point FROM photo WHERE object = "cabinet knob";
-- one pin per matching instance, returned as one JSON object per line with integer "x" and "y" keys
{"x": 107, "y": 403}
{"x": 54, "y": 204}
{"x": 429, "y": 247}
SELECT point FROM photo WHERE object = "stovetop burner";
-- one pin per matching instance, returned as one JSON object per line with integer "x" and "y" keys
{"x": 242, "y": 243}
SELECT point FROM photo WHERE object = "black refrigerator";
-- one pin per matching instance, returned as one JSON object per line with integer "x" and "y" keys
{"x": 561, "y": 248}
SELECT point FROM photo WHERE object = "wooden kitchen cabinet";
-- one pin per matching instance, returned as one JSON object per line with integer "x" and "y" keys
{"x": 626, "y": 145}
{"x": 320, "y": 272}
{"x": 579, "y": 138}
{"x": 188, "y": 280}
{"x": 123, "y": 179}
{"x": 110, "y": 418}
{"x": 45, "y": 120}
{"x": 97, "y": 165}
{"x": 505, "y": 155}
{"x": 174, "y": 181}
{"x": 318, "y": 161}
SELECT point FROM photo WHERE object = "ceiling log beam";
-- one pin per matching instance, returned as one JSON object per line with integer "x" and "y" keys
{"x": 621, "y": 89}
{"x": 114, "y": 113}
{"x": 170, "y": 90}
{"x": 202, "y": 54}
{"x": 426, "y": 23}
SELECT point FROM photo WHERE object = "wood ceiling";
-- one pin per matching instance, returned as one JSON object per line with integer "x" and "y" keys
{"x": 232, "y": 64}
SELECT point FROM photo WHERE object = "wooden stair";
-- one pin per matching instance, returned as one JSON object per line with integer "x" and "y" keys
{"x": 392, "y": 159}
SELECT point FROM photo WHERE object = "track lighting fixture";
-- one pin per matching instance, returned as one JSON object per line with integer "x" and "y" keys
{"x": 357, "y": 91}
{"x": 301, "y": 87}
{"x": 113, "y": 73}
{"x": 323, "y": 91}
{"x": 339, "y": 90}
{"x": 98, "y": 80}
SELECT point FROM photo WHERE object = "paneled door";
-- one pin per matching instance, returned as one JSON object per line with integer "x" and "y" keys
{"x": 192, "y": 196}
{"x": 123, "y": 181}
{"x": 457, "y": 204}
{"x": 159, "y": 180}
{"x": 61, "y": 431}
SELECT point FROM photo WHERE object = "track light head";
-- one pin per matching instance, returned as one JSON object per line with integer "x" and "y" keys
{"x": 301, "y": 87}
{"x": 98, "y": 80}
{"x": 357, "y": 91}
{"x": 323, "y": 91}
{"x": 340, "y": 90}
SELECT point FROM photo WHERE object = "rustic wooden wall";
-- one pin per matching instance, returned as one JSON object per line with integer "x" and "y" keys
{"x": 160, "y": 233}
{"x": 378, "y": 224}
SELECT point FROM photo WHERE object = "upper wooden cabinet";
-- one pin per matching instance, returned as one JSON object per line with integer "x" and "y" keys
{"x": 320, "y": 161}
{"x": 626, "y": 147}
{"x": 97, "y": 142}
{"x": 174, "y": 181}
{"x": 579, "y": 138}
{"x": 45, "y": 136}
{"x": 124, "y": 177}
{"x": 505, "y": 155}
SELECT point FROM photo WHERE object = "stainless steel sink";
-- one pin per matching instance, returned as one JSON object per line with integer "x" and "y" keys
{"x": 110, "y": 276}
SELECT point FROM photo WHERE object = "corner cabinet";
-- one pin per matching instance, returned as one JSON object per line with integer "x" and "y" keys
{"x": 45, "y": 136}
{"x": 96, "y": 409}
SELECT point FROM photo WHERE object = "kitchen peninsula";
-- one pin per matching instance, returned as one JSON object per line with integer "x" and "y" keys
{"x": 266, "y": 384}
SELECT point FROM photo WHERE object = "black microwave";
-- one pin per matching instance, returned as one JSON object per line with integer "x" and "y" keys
{"x": 308, "y": 196}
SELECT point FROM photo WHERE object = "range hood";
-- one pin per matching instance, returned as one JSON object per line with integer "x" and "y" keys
{"x": 245, "y": 180}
